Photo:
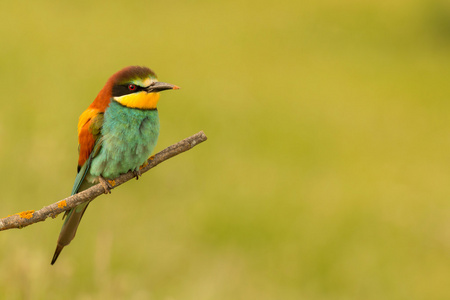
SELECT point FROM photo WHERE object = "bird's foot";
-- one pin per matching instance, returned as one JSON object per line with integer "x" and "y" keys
{"x": 137, "y": 173}
{"x": 106, "y": 184}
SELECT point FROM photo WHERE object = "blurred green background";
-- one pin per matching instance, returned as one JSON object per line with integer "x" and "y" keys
{"x": 326, "y": 172}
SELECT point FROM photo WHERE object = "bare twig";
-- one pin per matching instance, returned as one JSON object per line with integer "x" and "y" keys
{"x": 29, "y": 217}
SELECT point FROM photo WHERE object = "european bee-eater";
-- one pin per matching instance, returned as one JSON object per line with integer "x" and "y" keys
{"x": 116, "y": 134}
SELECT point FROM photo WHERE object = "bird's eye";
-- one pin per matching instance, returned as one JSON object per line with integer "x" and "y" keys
{"x": 131, "y": 87}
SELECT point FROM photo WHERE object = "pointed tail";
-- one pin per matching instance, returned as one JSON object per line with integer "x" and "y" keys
{"x": 57, "y": 252}
{"x": 69, "y": 228}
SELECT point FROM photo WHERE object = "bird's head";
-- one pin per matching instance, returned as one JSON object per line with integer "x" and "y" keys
{"x": 134, "y": 87}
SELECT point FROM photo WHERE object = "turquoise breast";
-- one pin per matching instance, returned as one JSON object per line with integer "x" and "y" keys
{"x": 128, "y": 138}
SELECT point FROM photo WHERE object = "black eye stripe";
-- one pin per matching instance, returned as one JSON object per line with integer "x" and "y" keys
{"x": 122, "y": 89}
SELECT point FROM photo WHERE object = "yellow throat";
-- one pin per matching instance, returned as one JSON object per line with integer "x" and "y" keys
{"x": 142, "y": 100}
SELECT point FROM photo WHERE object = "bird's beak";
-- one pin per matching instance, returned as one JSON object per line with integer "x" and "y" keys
{"x": 157, "y": 86}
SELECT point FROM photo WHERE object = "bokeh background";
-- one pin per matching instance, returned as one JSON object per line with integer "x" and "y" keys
{"x": 326, "y": 172}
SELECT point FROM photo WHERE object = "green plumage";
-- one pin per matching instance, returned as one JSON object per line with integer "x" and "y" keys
{"x": 128, "y": 138}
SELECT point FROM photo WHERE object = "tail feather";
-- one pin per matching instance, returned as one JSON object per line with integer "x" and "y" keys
{"x": 57, "y": 252}
{"x": 69, "y": 228}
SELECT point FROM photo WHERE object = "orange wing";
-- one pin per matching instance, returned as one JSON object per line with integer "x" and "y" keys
{"x": 89, "y": 129}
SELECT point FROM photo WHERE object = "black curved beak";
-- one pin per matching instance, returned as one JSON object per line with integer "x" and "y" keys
{"x": 157, "y": 86}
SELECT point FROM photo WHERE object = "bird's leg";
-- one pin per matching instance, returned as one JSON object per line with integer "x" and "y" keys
{"x": 137, "y": 173}
{"x": 106, "y": 184}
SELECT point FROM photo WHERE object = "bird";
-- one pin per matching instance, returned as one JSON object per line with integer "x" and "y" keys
{"x": 116, "y": 134}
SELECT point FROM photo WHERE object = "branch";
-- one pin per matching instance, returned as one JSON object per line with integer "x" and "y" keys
{"x": 29, "y": 217}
